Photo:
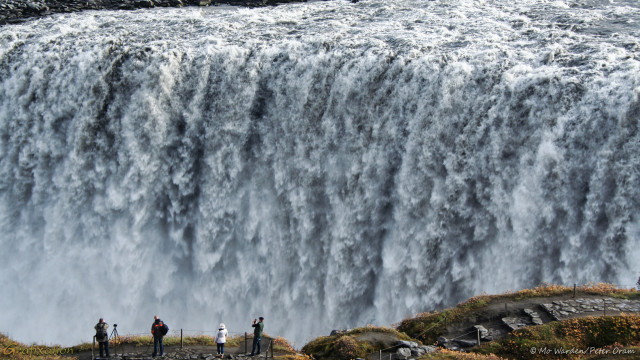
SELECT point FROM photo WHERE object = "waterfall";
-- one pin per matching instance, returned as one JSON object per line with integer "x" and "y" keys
{"x": 324, "y": 165}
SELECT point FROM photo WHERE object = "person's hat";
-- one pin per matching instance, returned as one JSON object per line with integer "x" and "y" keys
{"x": 261, "y": 318}
{"x": 221, "y": 326}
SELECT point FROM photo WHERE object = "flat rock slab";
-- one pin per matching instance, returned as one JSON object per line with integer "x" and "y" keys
{"x": 535, "y": 317}
{"x": 514, "y": 323}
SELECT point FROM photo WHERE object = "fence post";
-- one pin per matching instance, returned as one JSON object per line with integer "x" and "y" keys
{"x": 181, "y": 340}
{"x": 380, "y": 357}
{"x": 574, "y": 291}
{"x": 266, "y": 354}
{"x": 93, "y": 347}
{"x": 245, "y": 343}
{"x": 604, "y": 307}
{"x": 478, "y": 337}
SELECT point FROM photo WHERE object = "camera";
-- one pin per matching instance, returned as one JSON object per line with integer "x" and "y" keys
{"x": 115, "y": 325}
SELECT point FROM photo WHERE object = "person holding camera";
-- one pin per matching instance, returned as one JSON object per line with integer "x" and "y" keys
{"x": 258, "y": 328}
{"x": 102, "y": 337}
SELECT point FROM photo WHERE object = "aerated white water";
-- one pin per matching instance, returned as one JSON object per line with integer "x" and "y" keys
{"x": 325, "y": 165}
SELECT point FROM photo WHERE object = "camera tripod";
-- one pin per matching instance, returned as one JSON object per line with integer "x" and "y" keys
{"x": 114, "y": 336}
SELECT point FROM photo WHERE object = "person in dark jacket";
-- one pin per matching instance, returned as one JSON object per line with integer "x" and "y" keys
{"x": 102, "y": 337}
{"x": 258, "y": 328}
{"x": 158, "y": 334}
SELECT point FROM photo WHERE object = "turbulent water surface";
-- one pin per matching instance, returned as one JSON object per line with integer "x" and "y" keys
{"x": 325, "y": 165}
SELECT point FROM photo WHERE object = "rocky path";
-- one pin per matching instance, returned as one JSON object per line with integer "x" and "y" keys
{"x": 564, "y": 309}
{"x": 193, "y": 352}
{"x": 15, "y": 11}
{"x": 498, "y": 319}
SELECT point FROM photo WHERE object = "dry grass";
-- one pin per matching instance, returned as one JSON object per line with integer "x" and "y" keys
{"x": 14, "y": 350}
{"x": 427, "y": 327}
{"x": 294, "y": 357}
{"x": 547, "y": 290}
{"x": 444, "y": 354}
{"x": 282, "y": 345}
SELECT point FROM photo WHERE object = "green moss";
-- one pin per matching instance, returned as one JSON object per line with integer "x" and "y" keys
{"x": 627, "y": 296}
{"x": 579, "y": 333}
{"x": 348, "y": 346}
{"x": 380, "y": 329}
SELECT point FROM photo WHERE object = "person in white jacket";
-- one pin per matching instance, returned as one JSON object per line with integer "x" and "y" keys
{"x": 221, "y": 338}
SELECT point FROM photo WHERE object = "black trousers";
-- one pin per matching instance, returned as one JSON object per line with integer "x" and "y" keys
{"x": 104, "y": 345}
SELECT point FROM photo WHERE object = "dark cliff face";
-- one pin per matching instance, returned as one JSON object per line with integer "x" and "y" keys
{"x": 15, "y": 11}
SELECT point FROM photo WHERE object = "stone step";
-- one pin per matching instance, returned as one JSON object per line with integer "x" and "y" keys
{"x": 535, "y": 318}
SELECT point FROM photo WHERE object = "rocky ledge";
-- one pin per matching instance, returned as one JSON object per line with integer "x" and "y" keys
{"x": 180, "y": 354}
{"x": 15, "y": 11}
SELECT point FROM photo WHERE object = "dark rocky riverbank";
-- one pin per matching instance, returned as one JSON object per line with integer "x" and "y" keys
{"x": 14, "y": 11}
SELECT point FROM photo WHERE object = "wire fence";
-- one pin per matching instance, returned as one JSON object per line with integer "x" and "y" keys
{"x": 177, "y": 333}
{"x": 399, "y": 345}
{"x": 619, "y": 286}
{"x": 146, "y": 339}
{"x": 203, "y": 332}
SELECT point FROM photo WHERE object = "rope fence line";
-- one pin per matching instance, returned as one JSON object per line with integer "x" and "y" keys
{"x": 615, "y": 285}
{"x": 417, "y": 336}
{"x": 463, "y": 335}
{"x": 177, "y": 333}
{"x": 209, "y": 331}
{"x": 118, "y": 339}
{"x": 424, "y": 332}
{"x": 429, "y": 328}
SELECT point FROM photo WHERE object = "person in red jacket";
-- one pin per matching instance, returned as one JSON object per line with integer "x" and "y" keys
{"x": 158, "y": 333}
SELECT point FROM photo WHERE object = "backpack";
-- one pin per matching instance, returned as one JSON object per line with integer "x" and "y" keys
{"x": 164, "y": 329}
{"x": 101, "y": 332}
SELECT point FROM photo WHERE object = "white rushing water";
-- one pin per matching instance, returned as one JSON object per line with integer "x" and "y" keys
{"x": 325, "y": 165}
